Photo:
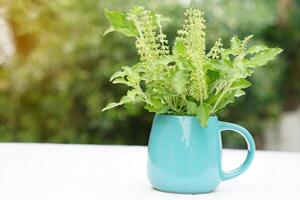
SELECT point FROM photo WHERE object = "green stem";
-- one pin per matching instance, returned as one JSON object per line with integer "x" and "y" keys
{"x": 146, "y": 98}
{"x": 221, "y": 96}
{"x": 170, "y": 104}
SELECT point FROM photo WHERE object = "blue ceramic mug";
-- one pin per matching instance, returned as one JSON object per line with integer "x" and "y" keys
{"x": 184, "y": 157}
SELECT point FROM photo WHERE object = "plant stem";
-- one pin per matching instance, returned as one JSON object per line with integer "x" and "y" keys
{"x": 170, "y": 104}
{"x": 146, "y": 98}
{"x": 221, "y": 96}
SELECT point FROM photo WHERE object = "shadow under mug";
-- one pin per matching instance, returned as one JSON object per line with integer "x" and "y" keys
{"x": 184, "y": 157}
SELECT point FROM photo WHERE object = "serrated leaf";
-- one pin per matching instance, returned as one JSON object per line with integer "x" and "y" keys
{"x": 151, "y": 108}
{"x": 120, "y": 81}
{"x": 132, "y": 75}
{"x": 213, "y": 98}
{"x": 180, "y": 65}
{"x": 118, "y": 74}
{"x": 223, "y": 66}
{"x": 179, "y": 82}
{"x": 240, "y": 84}
{"x": 203, "y": 113}
{"x": 179, "y": 48}
{"x": 120, "y": 23}
{"x": 186, "y": 63}
{"x": 132, "y": 95}
{"x": 227, "y": 99}
{"x": 163, "y": 60}
{"x": 163, "y": 109}
{"x": 191, "y": 108}
{"x": 111, "y": 105}
{"x": 109, "y": 30}
{"x": 263, "y": 57}
{"x": 225, "y": 54}
{"x": 157, "y": 106}
{"x": 256, "y": 49}
{"x": 235, "y": 43}
{"x": 239, "y": 93}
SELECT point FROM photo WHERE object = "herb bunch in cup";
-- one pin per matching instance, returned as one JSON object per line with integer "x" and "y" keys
{"x": 185, "y": 79}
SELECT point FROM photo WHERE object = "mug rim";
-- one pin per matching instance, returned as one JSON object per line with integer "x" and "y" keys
{"x": 184, "y": 116}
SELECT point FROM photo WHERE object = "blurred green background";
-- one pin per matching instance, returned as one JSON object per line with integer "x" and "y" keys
{"x": 53, "y": 86}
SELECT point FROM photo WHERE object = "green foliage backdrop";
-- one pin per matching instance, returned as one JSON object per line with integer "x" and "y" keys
{"x": 53, "y": 88}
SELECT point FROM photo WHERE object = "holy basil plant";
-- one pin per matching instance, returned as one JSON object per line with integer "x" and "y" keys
{"x": 185, "y": 79}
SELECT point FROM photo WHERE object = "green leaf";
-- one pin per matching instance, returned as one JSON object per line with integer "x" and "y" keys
{"x": 240, "y": 84}
{"x": 180, "y": 81}
{"x": 239, "y": 93}
{"x": 118, "y": 74}
{"x": 187, "y": 63}
{"x": 131, "y": 96}
{"x": 111, "y": 105}
{"x": 179, "y": 48}
{"x": 120, "y": 81}
{"x": 157, "y": 106}
{"x": 191, "y": 108}
{"x": 180, "y": 65}
{"x": 108, "y": 30}
{"x": 151, "y": 108}
{"x": 203, "y": 113}
{"x": 257, "y": 49}
{"x": 225, "y": 54}
{"x": 132, "y": 76}
{"x": 263, "y": 57}
{"x": 212, "y": 99}
{"x": 222, "y": 66}
{"x": 227, "y": 99}
{"x": 163, "y": 60}
{"x": 120, "y": 23}
{"x": 235, "y": 45}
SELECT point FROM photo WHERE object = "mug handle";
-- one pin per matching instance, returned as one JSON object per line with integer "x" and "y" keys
{"x": 250, "y": 145}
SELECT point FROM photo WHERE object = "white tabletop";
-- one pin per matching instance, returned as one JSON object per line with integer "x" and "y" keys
{"x": 95, "y": 172}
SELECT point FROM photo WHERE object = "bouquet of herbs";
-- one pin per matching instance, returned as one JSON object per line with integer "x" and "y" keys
{"x": 186, "y": 79}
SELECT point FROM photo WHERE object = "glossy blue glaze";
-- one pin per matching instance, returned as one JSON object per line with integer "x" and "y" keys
{"x": 184, "y": 157}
